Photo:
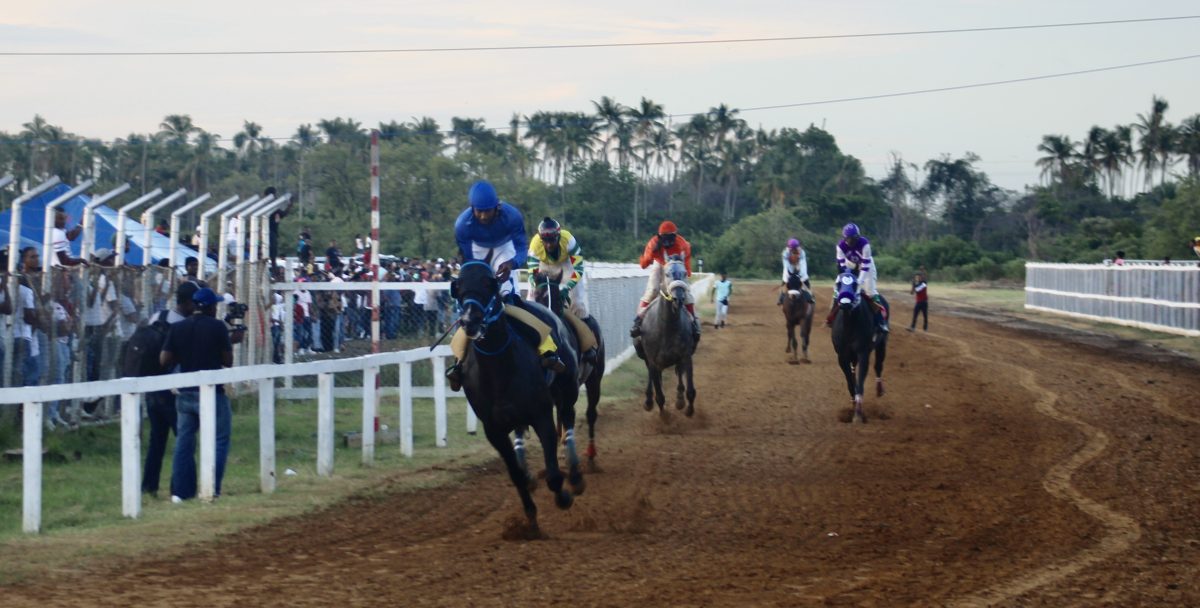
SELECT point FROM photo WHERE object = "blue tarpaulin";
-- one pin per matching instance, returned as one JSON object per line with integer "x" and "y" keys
{"x": 33, "y": 215}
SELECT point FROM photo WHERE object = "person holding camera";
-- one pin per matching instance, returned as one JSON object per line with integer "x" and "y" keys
{"x": 199, "y": 342}
{"x": 660, "y": 247}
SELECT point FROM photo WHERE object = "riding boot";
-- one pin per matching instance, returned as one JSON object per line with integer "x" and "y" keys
{"x": 691, "y": 308}
{"x": 454, "y": 376}
{"x": 636, "y": 331}
{"x": 589, "y": 355}
{"x": 553, "y": 362}
{"x": 881, "y": 313}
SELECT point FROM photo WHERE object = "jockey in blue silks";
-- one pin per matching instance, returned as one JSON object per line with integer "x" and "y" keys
{"x": 854, "y": 256}
{"x": 493, "y": 232}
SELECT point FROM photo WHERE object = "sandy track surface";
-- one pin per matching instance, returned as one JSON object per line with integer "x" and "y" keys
{"x": 1003, "y": 467}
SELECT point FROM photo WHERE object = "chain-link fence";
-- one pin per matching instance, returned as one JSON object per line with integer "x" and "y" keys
{"x": 71, "y": 325}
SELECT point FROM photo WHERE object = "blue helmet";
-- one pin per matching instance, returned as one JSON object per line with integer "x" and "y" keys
{"x": 850, "y": 230}
{"x": 482, "y": 196}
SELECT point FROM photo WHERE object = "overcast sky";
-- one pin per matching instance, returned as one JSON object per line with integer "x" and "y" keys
{"x": 111, "y": 97}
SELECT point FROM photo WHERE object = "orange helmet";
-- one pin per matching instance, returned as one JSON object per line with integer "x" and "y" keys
{"x": 667, "y": 227}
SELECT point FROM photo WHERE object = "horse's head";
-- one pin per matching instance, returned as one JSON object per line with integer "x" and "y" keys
{"x": 546, "y": 291}
{"x": 847, "y": 290}
{"x": 478, "y": 295}
{"x": 794, "y": 284}
{"x": 676, "y": 282}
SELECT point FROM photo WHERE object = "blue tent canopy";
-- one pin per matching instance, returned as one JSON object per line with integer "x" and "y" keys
{"x": 33, "y": 215}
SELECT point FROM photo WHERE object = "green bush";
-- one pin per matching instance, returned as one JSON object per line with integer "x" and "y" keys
{"x": 751, "y": 247}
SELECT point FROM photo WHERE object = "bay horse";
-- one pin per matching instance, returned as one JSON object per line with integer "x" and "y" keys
{"x": 505, "y": 383}
{"x": 667, "y": 340}
{"x": 591, "y": 373}
{"x": 797, "y": 311}
{"x": 856, "y": 335}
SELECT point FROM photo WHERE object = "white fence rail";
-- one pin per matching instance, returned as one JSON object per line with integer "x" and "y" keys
{"x": 1162, "y": 298}
{"x": 612, "y": 298}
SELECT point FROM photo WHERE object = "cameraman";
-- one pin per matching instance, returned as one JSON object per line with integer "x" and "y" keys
{"x": 200, "y": 342}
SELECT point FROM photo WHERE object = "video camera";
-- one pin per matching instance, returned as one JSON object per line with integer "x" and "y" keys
{"x": 235, "y": 316}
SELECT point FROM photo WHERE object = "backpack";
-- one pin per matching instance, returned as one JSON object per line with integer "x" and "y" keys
{"x": 141, "y": 350}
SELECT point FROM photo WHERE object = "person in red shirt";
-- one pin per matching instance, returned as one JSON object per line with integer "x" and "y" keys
{"x": 661, "y": 246}
{"x": 920, "y": 288}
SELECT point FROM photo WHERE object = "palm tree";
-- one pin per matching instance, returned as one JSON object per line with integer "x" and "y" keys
{"x": 1189, "y": 143}
{"x": 342, "y": 131}
{"x": 1091, "y": 153}
{"x": 427, "y": 130}
{"x": 612, "y": 118}
{"x": 1154, "y": 143}
{"x": 1110, "y": 157}
{"x": 177, "y": 128}
{"x": 1060, "y": 154}
{"x": 247, "y": 140}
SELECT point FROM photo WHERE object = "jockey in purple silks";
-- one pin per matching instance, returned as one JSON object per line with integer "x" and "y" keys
{"x": 854, "y": 255}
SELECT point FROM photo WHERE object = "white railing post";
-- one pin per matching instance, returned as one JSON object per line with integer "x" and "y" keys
{"x": 131, "y": 455}
{"x": 406, "y": 409}
{"x": 325, "y": 425}
{"x": 472, "y": 421}
{"x": 439, "y": 400}
{"x": 369, "y": 411}
{"x": 266, "y": 435}
{"x": 208, "y": 441}
{"x": 31, "y": 499}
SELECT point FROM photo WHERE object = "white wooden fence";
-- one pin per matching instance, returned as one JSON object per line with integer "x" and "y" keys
{"x": 1151, "y": 296}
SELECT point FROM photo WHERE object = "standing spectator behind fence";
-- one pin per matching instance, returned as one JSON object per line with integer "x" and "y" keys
{"x": 25, "y": 321}
{"x": 6, "y": 307}
{"x": 160, "y": 405}
{"x": 273, "y": 222}
{"x": 200, "y": 342}
{"x": 921, "y": 290}
{"x": 61, "y": 239}
{"x": 329, "y": 304}
{"x": 278, "y": 310}
{"x": 304, "y": 318}
{"x": 333, "y": 258}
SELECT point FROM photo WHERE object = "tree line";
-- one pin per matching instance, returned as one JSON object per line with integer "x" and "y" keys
{"x": 612, "y": 174}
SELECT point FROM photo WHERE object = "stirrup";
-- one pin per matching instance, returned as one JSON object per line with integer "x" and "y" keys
{"x": 454, "y": 376}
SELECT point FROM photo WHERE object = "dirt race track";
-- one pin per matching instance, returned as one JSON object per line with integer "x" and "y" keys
{"x": 1003, "y": 467}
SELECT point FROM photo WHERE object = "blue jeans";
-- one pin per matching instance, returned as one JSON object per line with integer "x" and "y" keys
{"x": 31, "y": 368}
{"x": 183, "y": 468}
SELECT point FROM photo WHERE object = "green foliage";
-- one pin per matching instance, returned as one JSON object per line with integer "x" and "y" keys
{"x": 1175, "y": 224}
{"x": 752, "y": 247}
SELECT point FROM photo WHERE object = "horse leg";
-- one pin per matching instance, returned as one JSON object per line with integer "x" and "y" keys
{"x": 649, "y": 405}
{"x": 566, "y": 429}
{"x": 679, "y": 403}
{"x": 806, "y": 331}
{"x": 691, "y": 390}
{"x": 516, "y": 472}
{"x": 518, "y": 444}
{"x": 864, "y": 361}
{"x": 659, "y": 397}
{"x": 880, "y": 355}
{"x": 789, "y": 339}
{"x": 544, "y": 427}
{"x": 593, "y": 393}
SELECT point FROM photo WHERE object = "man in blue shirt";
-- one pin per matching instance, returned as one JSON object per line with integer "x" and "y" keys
{"x": 493, "y": 232}
{"x": 199, "y": 342}
{"x": 721, "y": 291}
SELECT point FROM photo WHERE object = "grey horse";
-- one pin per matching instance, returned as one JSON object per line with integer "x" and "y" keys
{"x": 667, "y": 340}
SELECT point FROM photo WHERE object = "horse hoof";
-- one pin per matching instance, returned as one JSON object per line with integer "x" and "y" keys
{"x": 578, "y": 486}
{"x": 649, "y": 405}
{"x": 879, "y": 390}
{"x": 806, "y": 361}
{"x": 564, "y": 500}
{"x": 591, "y": 451}
{"x": 690, "y": 411}
{"x": 531, "y": 483}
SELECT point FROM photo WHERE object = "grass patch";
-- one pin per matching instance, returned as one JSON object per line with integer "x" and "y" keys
{"x": 82, "y": 525}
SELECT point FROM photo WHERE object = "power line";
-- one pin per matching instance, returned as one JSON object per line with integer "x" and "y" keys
{"x": 955, "y": 87}
{"x": 601, "y": 45}
{"x": 786, "y": 105}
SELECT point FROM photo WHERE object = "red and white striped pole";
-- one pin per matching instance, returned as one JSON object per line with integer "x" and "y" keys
{"x": 376, "y": 251}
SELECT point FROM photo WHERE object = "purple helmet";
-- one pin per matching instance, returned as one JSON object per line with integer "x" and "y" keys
{"x": 793, "y": 243}
{"x": 850, "y": 230}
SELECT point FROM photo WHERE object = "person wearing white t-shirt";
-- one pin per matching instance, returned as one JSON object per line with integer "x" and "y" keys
{"x": 100, "y": 313}
{"x": 25, "y": 321}
{"x": 62, "y": 241}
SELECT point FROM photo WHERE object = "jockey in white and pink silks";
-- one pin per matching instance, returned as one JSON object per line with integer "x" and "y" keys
{"x": 854, "y": 256}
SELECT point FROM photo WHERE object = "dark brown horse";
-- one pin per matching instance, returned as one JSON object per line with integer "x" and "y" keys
{"x": 798, "y": 311}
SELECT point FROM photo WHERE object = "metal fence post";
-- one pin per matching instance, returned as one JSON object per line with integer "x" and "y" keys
{"x": 325, "y": 425}
{"x": 131, "y": 455}
{"x": 31, "y": 499}
{"x": 266, "y": 435}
